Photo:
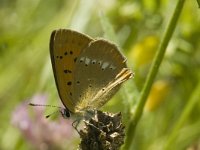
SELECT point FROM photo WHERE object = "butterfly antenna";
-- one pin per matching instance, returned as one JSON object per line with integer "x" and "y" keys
{"x": 47, "y": 116}
{"x": 32, "y": 104}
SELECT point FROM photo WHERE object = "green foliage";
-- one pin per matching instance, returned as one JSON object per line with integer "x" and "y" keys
{"x": 169, "y": 120}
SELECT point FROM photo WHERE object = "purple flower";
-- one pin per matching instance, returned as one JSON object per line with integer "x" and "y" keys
{"x": 42, "y": 133}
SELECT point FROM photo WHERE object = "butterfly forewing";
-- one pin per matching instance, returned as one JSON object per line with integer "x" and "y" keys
{"x": 96, "y": 69}
{"x": 65, "y": 47}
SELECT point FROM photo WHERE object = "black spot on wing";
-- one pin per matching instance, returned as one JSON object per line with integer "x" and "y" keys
{"x": 69, "y": 83}
{"x": 67, "y": 71}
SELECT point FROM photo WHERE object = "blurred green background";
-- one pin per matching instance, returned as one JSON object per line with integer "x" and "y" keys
{"x": 137, "y": 27}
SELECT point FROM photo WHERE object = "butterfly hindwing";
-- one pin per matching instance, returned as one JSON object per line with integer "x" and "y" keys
{"x": 96, "y": 72}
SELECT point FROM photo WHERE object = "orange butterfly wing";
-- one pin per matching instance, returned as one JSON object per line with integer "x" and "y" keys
{"x": 65, "y": 47}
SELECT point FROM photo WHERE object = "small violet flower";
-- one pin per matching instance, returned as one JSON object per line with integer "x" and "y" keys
{"x": 42, "y": 133}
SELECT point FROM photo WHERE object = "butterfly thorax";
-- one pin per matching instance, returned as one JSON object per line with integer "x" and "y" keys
{"x": 84, "y": 115}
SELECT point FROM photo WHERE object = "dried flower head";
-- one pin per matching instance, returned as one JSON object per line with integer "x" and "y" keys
{"x": 104, "y": 131}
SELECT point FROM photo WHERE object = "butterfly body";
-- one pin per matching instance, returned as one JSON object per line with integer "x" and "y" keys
{"x": 87, "y": 71}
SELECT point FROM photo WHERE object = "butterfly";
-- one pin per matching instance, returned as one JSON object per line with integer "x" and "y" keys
{"x": 87, "y": 71}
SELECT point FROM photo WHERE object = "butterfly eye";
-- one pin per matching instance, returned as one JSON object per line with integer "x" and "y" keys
{"x": 65, "y": 113}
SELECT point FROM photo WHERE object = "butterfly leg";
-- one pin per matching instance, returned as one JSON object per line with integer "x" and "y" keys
{"x": 92, "y": 125}
{"x": 75, "y": 124}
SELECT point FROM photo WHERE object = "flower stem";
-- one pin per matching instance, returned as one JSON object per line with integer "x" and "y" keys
{"x": 152, "y": 74}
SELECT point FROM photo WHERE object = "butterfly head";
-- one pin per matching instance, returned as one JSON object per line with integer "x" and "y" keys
{"x": 65, "y": 113}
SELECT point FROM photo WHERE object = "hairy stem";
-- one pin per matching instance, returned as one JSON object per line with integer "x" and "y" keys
{"x": 152, "y": 74}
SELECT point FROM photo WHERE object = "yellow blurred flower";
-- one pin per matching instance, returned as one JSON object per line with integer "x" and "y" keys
{"x": 157, "y": 95}
{"x": 143, "y": 52}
